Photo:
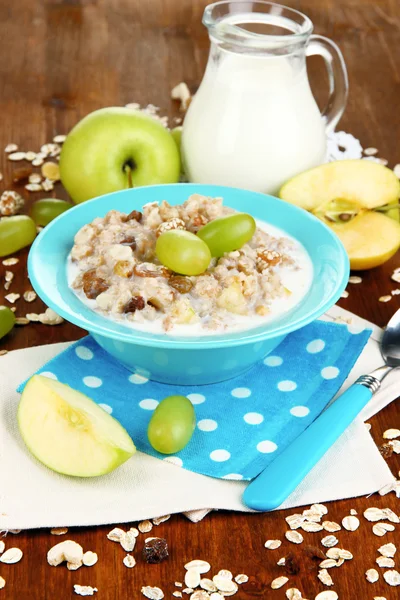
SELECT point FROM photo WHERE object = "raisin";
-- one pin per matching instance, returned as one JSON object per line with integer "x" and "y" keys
{"x": 21, "y": 174}
{"x": 129, "y": 241}
{"x": 93, "y": 285}
{"x": 315, "y": 555}
{"x": 136, "y": 215}
{"x": 292, "y": 565}
{"x": 135, "y": 303}
{"x": 155, "y": 550}
{"x": 151, "y": 270}
{"x": 181, "y": 284}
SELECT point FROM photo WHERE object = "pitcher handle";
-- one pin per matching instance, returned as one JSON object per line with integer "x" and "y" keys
{"x": 338, "y": 80}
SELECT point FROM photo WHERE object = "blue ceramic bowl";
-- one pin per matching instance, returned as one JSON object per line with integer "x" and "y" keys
{"x": 194, "y": 360}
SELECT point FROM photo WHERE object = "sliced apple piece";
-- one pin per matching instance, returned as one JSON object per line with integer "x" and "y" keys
{"x": 69, "y": 432}
{"x": 362, "y": 182}
{"x": 232, "y": 299}
{"x": 370, "y": 239}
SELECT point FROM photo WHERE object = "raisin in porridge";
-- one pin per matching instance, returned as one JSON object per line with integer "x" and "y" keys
{"x": 113, "y": 269}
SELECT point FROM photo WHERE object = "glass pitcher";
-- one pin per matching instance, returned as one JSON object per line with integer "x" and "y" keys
{"x": 253, "y": 122}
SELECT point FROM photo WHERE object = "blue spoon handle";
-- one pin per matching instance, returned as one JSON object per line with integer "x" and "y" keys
{"x": 284, "y": 474}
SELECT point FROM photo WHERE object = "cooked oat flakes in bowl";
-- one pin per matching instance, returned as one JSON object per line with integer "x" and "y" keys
{"x": 188, "y": 283}
{"x": 114, "y": 268}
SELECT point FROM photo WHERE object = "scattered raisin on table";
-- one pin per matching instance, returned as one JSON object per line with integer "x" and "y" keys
{"x": 136, "y": 215}
{"x": 181, "y": 284}
{"x": 93, "y": 285}
{"x": 155, "y": 550}
{"x": 135, "y": 303}
{"x": 292, "y": 565}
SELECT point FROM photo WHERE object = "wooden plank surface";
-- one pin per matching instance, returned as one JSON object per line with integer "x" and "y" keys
{"x": 61, "y": 59}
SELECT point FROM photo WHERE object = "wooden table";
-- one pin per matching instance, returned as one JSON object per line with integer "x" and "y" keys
{"x": 61, "y": 59}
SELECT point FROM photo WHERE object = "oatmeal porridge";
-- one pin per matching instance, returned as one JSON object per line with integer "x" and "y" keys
{"x": 113, "y": 268}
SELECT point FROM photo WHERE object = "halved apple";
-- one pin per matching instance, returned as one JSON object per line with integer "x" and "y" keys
{"x": 370, "y": 239}
{"x": 362, "y": 182}
{"x": 69, "y": 432}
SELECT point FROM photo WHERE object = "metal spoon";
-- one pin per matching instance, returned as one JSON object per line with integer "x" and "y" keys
{"x": 284, "y": 474}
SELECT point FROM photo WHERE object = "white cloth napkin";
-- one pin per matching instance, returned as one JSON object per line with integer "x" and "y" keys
{"x": 31, "y": 496}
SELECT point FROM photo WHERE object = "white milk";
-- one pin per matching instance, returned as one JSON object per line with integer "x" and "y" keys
{"x": 253, "y": 123}
{"x": 297, "y": 281}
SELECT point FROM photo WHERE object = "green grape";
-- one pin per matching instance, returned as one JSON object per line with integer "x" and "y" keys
{"x": 45, "y": 210}
{"x": 228, "y": 233}
{"x": 177, "y": 135}
{"x": 172, "y": 425}
{"x": 183, "y": 252}
{"x": 16, "y": 233}
{"x": 7, "y": 320}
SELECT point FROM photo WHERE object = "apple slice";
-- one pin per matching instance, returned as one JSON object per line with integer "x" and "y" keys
{"x": 370, "y": 239}
{"x": 68, "y": 432}
{"x": 361, "y": 182}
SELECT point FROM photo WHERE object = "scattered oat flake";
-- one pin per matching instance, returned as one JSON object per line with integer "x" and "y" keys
{"x": 351, "y": 523}
{"x": 3, "y": 352}
{"x": 22, "y": 321}
{"x": 49, "y": 317}
{"x": 392, "y": 577}
{"x": 178, "y": 584}
{"x": 2, "y": 546}
{"x": 187, "y": 591}
{"x": 293, "y": 594}
{"x": 386, "y": 298}
{"x": 33, "y": 187}
{"x": 329, "y": 541}
{"x": 311, "y": 527}
{"x": 325, "y": 577}
{"x": 128, "y": 541}
{"x": 2, "y": 582}
{"x": 241, "y": 578}
{"x": 37, "y": 162}
{"x": 12, "y": 298}
{"x": 200, "y": 595}
{"x": 177, "y": 594}
{"x": 129, "y": 561}
{"x": 59, "y": 139}
{"x": 388, "y": 550}
{"x": 225, "y": 573}
{"x": 192, "y": 578}
{"x": 16, "y": 156}
{"x": 379, "y": 598}
{"x": 208, "y": 585}
{"x": 345, "y": 294}
{"x": 159, "y": 520}
{"x": 384, "y": 562}
{"x": 294, "y": 536}
{"x": 84, "y": 590}
{"x": 390, "y": 515}
{"x": 29, "y": 296}
{"x": 331, "y": 526}
{"x": 279, "y": 582}
{"x": 153, "y": 593}
{"x": 353, "y": 511}
{"x": 372, "y": 575}
{"x": 30, "y": 155}
{"x": 225, "y": 585}
{"x": 272, "y": 544}
{"x": 373, "y": 514}
{"x": 11, "y": 148}
{"x": 11, "y": 556}
{"x": 216, "y": 596}
{"x": 35, "y": 178}
{"x": 370, "y": 151}
{"x": 115, "y": 534}
{"x": 380, "y": 529}
{"x": 355, "y": 279}
{"x": 391, "y": 434}
{"x": 9, "y": 262}
{"x": 182, "y": 93}
{"x": 281, "y": 562}
{"x": 395, "y": 445}
{"x": 328, "y": 563}
{"x": 202, "y": 566}
{"x": 327, "y": 595}
{"x": 145, "y": 526}
{"x": 90, "y": 558}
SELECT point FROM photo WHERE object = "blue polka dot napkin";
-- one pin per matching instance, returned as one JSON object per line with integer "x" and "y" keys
{"x": 243, "y": 423}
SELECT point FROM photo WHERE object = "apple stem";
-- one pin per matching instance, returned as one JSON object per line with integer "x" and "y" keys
{"x": 128, "y": 171}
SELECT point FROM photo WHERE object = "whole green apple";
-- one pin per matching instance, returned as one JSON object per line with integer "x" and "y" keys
{"x": 115, "y": 148}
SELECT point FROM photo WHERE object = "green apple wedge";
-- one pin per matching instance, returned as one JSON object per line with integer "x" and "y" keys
{"x": 68, "y": 432}
{"x": 115, "y": 148}
{"x": 368, "y": 185}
